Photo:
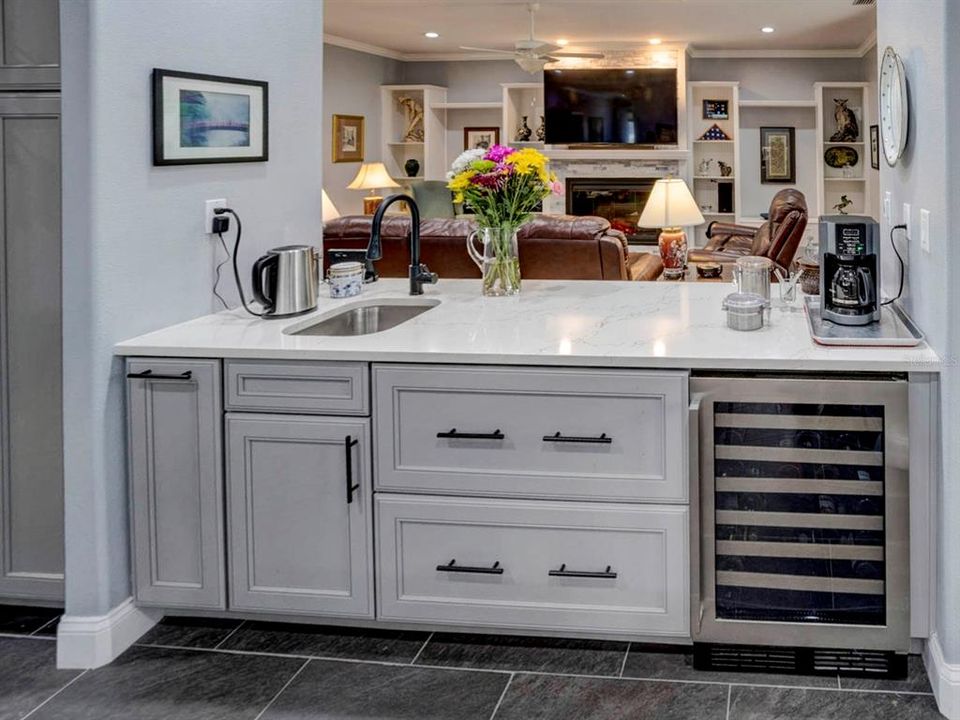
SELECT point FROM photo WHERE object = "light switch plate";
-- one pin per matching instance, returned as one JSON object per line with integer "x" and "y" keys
{"x": 888, "y": 206}
{"x": 906, "y": 216}
{"x": 208, "y": 207}
{"x": 925, "y": 230}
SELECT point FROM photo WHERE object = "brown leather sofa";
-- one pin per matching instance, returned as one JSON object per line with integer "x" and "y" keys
{"x": 778, "y": 238}
{"x": 552, "y": 247}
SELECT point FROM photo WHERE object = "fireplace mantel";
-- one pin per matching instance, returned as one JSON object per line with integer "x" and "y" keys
{"x": 599, "y": 153}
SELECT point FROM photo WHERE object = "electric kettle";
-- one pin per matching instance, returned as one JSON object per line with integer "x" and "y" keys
{"x": 285, "y": 280}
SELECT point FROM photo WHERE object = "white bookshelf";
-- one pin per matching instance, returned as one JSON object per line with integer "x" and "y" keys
{"x": 430, "y": 152}
{"x": 856, "y": 182}
{"x": 519, "y": 100}
{"x": 705, "y": 185}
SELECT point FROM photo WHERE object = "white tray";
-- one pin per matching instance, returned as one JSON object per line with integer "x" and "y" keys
{"x": 895, "y": 328}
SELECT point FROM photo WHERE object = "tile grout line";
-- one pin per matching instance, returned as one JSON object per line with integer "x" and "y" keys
{"x": 422, "y": 648}
{"x": 623, "y": 665}
{"x": 453, "y": 668}
{"x": 729, "y": 695}
{"x": 502, "y": 696}
{"x": 280, "y": 691}
{"x": 229, "y": 635}
{"x": 839, "y": 684}
{"x": 46, "y": 624}
{"x": 71, "y": 682}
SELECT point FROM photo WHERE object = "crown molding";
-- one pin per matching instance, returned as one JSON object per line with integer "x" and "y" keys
{"x": 786, "y": 54}
{"x": 362, "y": 47}
{"x": 869, "y": 44}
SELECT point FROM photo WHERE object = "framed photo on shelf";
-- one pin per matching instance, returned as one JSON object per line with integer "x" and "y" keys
{"x": 716, "y": 109}
{"x": 200, "y": 119}
{"x": 480, "y": 138}
{"x": 347, "y": 138}
{"x": 875, "y": 147}
{"x": 778, "y": 155}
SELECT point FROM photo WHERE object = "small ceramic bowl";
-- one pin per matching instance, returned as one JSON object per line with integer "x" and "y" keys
{"x": 345, "y": 279}
{"x": 709, "y": 269}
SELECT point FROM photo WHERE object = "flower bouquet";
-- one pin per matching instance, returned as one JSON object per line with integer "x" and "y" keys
{"x": 502, "y": 186}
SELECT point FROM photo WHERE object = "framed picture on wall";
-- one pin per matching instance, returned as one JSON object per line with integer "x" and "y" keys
{"x": 716, "y": 110}
{"x": 480, "y": 138}
{"x": 778, "y": 155}
{"x": 208, "y": 119}
{"x": 347, "y": 138}
{"x": 875, "y": 147}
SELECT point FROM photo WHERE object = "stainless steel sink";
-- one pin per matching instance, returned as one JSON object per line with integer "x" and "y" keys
{"x": 365, "y": 319}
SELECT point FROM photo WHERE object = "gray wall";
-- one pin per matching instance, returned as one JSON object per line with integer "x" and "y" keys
{"x": 776, "y": 78}
{"x": 135, "y": 254}
{"x": 351, "y": 86}
{"x": 474, "y": 80}
{"x": 926, "y": 33}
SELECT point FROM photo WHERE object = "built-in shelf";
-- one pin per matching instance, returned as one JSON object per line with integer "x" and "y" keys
{"x": 712, "y": 142}
{"x": 714, "y": 177}
{"x": 830, "y": 143}
{"x": 716, "y": 214}
{"x": 843, "y": 179}
{"x": 410, "y": 142}
{"x": 778, "y": 104}
{"x": 467, "y": 106}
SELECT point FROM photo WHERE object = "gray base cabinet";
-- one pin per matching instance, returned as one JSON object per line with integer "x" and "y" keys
{"x": 300, "y": 514}
{"x": 175, "y": 414}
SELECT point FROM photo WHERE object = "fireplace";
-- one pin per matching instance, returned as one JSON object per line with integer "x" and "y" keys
{"x": 619, "y": 200}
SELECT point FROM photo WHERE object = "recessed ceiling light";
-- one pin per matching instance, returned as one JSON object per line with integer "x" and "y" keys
{"x": 767, "y": 29}
{"x": 563, "y": 42}
{"x": 432, "y": 35}
{"x": 654, "y": 41}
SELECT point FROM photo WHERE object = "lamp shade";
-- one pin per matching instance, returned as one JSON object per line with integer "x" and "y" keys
{"x": 329, "y": 210}
{"x": 670, "y": 205}
{"x": 372, "y": 176}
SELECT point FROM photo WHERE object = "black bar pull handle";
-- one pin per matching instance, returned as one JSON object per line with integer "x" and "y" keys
{"x": 557, "y": 437}
{"x": 563, "y": 572}
{"x": 452, "y": 566}
{"x": 150, "y": 375}
{"x": 452, "y": 434}
{"x": 348, "y": 444}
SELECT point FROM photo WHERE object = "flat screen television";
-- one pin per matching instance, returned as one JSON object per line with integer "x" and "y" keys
{"x": 611, "y": 106}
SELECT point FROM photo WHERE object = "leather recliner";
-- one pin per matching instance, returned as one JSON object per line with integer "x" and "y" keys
{"x": 551, "y": 247}
{"x": 777, "y": 238}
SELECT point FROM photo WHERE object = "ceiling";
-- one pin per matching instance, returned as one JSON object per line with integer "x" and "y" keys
{"x": 821, "y": 26}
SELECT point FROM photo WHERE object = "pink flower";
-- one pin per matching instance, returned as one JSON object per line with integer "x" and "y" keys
{"x": 556, "y": 187}
{"x": 498, "y": 152}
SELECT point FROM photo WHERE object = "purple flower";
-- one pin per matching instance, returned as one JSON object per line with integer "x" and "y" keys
{"x": 498, "y": 152}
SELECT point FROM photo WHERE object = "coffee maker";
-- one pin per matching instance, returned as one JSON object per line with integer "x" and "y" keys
{"x": 849, "y": 269}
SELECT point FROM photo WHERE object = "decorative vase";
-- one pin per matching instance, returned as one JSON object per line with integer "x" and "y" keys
{"x": 498, "y": 261}
{"x": 542, "y": 130}
{"x": 673, "y": 252}
{"x": 524, "y": 133}
{"x": 411, "y": 167}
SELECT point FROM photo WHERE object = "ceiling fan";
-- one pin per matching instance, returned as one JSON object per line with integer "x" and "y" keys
{"x": 532, "y": 54}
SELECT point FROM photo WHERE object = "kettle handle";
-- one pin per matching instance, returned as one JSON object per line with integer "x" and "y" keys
{"x": 259, "y": 267}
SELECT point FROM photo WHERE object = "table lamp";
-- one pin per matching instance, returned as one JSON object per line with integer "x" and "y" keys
{"x": 670, "y": 207}
{"x": 373, "y": 176}
{"x": 327, "y": 208}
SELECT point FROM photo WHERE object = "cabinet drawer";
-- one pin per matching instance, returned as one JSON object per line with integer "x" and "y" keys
{"x": 557, "y": 566}
{"x": 325, "y": 388}
{"x": 532, "y": 432}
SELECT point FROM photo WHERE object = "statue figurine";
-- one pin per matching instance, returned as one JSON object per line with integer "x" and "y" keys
{"x": 703, "y": 168}
{"x": 725, "y": 170}
{"x": 524, "y": 133}
{"x": 414, "y": 112}
{"x": 841, "y": 207}
{"x": 848, "y": 128}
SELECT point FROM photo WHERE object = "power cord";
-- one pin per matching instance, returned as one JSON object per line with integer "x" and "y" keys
{"x": 236, "y": 247}
{"x": 896, "y": 252}
{"x": 217, "y": 271}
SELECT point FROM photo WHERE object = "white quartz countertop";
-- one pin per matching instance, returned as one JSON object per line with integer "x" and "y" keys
{"x": 600, "y": 324}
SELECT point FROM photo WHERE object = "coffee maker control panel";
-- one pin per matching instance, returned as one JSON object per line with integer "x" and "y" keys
{"x": 851, "y": 239}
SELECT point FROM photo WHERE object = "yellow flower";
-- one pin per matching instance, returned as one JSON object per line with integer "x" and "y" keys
{"x": 461, "y": 182}
{"x": 528, "y": 161}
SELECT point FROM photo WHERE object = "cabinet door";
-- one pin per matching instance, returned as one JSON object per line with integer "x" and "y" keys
{"x": 31, "y": 417}
{"x": 176, "y": 495}
{"x": 299, "y": 507}
{"x": 29, "y": 45}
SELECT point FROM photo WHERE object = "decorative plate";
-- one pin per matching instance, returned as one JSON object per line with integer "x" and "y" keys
{"x": 894, "y": 110}
{"x": 840, "y": 156}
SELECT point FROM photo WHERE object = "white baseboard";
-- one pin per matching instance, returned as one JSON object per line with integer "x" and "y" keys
{"x": 95, "y": 640}
{"x": 944, "y": 677}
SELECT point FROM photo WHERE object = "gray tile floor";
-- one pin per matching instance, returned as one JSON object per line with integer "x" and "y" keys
{"x": 211, "y": 669}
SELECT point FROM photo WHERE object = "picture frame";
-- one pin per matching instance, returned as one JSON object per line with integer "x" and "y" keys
{"x": 480, "y": 137}
{"x": 347, "y": 138}
{"x": 875, "y": 147}
{"x": 778, "y": 155}
{"x": 204, "y": 119}
{"x": 716, "y": 109}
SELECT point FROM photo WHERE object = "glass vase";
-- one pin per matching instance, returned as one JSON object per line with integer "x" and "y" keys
{"x": 498, "y": 259}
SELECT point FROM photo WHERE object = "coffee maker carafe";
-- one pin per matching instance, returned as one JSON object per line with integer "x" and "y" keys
{"x": 849, "y": 269}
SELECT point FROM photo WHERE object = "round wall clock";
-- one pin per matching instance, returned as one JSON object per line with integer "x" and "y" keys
{"x": 894, "y": 110}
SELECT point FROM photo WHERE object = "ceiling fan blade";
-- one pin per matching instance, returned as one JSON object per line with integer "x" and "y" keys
{"x": 508, "y": 53}
{"x": 542, "y": 48}
{"x": 596, "y": 56}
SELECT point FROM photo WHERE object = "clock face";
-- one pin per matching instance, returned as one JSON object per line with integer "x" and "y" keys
{"x": 894, "y": 112}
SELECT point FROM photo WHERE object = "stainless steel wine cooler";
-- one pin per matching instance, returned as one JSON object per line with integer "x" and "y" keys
{"x": 803, "y": 522}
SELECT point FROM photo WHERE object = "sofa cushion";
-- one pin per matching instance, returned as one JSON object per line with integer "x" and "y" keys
{"x": 434, "y": 199}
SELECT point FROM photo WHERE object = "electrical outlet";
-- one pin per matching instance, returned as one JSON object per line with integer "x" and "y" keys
{"x": 888, "y": 207}
{"x": 925, "y": 230}
{"x": 208, "y": 207}
{"x": 906, "y": 216}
